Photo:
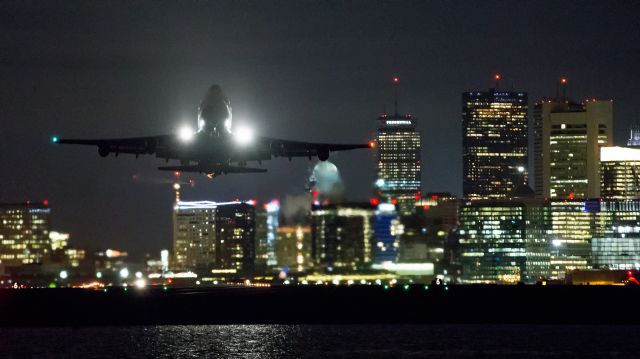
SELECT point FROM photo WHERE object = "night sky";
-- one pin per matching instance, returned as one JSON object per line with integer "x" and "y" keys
{"x": 315, "y": 71}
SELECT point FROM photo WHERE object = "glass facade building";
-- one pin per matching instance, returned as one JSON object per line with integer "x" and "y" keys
{"x": 494, "y": 141}
{"x": 398, "y": 167}
{"x": 573, "y": 225}
{"x": 387, "y": 228}
{"x": 504, "y": 241}
{"x": 24, "y": 233}
{"x": 618, "y": 246}
{"x": 619, "y": 173}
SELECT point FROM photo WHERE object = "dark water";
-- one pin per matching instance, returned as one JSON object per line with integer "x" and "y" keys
{"x": 329, "y": 341}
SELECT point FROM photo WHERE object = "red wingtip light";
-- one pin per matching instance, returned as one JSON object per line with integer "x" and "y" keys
{"x": 176, "y": 173}
{"x": 396, "y": 79}
{"x": 372, "y": 144}
{"x": 497, "y": 76}
{"x": 45, "y": 202}
{"x": 563, "y": 81}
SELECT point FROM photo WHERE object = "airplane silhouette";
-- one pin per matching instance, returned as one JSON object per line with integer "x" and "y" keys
{"x": 216, "y": 147}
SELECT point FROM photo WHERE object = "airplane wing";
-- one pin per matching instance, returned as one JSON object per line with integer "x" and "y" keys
{"x": 212, "y": 169}
{"x": 286, "y": 148}
{"x": 132, "y": 145}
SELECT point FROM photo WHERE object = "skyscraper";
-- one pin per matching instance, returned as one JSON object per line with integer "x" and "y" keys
{"x": 494, "y": 141}
{"x": 398, "y": 150}
{"x": 267, "y": 220}
{"x": 210, "y": 237}
{"x": 567, "y": 141}
{"x": 24, "y": 233}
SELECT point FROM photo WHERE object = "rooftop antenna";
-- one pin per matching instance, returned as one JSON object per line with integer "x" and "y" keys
{"x": 497, "y": 78}
{"x": 396, "y": 81}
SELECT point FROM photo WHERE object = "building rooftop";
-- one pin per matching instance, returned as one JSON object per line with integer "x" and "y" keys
{"x": 616, "y": 154}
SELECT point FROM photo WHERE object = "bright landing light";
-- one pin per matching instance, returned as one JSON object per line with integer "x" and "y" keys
{"x": 141, "y": 283}
{"x": 243, "y": 135}
{"x": 185, "y": 134}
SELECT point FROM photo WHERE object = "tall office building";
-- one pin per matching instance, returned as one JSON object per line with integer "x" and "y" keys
{"x": 267, "y": 221}
{"x": 567, "y": 141}
{"x": 218, "y": 238}
{"x": 494, "y": 143}
{"x": 342, "y": 236}
{"x": 398, "y": 151}
{"x": 619, "y": 173}
{"x": 504, "y": 241}
{"x": 24, "y": 233}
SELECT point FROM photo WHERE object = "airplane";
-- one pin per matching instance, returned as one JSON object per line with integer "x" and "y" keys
{"x": 216, "y": 148}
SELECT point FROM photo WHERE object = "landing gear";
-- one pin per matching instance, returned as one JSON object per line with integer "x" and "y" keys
{"x": 323, "y": 154}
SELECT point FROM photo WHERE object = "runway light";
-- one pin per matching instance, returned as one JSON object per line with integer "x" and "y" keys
{"x": 243, "y": 135}
{"x": 185, "y": 134}
{"x": 141, "y": 283}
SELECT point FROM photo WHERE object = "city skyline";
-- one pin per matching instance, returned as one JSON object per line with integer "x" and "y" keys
{"x": 122, "y": 87}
